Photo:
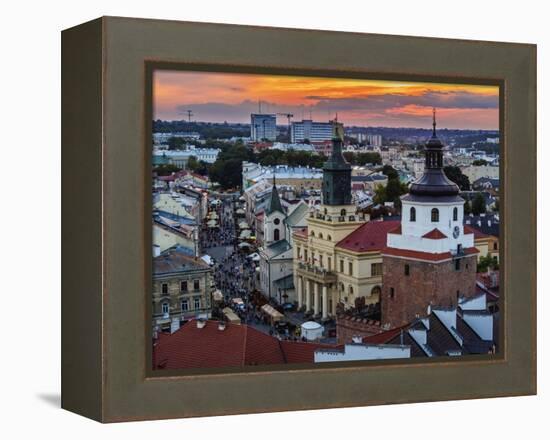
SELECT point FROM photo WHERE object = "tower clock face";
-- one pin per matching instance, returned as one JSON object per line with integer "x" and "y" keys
{"x": 456, "y": 232}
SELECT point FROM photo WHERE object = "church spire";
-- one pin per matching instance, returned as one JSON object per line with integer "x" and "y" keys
{"x": 275, "y": 202}
{"x": 433, "y": 131}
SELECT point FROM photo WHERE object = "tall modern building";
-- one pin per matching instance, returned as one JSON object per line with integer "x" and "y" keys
{"x": 312, "y": 131}
{"x": 263, "y": 126}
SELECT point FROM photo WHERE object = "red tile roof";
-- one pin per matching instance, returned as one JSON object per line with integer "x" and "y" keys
{"x": 209, "y": 347}
{"x": 477, "y": 233}
{"x": 434, "y": 234}
{"x": 369, "y": 237}
{"x": 301, "y": 232}
{"x": 236, "y": 345}
{"x": 384, "y": 337}
{"x": 420, "y": 255}
{"x": 301, "y": 352}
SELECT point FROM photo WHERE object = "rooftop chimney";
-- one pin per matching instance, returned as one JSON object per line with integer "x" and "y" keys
{"x": 201, "y": 323}
{"x": 221, "y": 326}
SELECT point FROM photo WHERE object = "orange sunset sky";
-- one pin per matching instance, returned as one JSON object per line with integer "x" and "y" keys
{"x": 219, "y": 97}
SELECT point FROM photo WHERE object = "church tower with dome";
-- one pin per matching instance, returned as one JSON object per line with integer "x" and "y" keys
{"x": 428, "y": 259}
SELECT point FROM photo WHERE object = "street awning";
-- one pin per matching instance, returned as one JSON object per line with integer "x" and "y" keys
{"x": 275, "y": 315}
{"x": 231, "y": 316}
{"x": 245, "y": 233}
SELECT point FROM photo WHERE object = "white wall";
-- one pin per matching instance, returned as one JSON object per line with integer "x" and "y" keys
{"x": 363, "y": 352}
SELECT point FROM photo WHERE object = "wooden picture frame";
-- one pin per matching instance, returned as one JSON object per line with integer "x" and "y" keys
{"x": 106, "y": 211}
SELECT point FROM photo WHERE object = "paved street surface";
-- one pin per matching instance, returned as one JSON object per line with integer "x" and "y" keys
{"x": 235, "y": 274}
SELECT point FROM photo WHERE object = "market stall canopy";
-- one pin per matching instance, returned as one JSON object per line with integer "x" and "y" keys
{"x": 312, "y": 330}
{"x": 240, "y": 211}
{"x": 275, "y": 315}
{"x": 213, "y": 215}
{"x": 245, "y": 233}
{"x": 217, "y": 295}
{"x": 212, "y": 223}
{"x": 244, "y": 225}
{"x": 254, "y": 257}
{"x": 238, "y": 301}
{"x": 231, "y": 316}
{"x": 244, "y": 245}
{"x": 207, "y": 259}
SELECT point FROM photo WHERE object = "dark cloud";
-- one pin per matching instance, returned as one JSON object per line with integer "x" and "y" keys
{"x": 384, "y": 108}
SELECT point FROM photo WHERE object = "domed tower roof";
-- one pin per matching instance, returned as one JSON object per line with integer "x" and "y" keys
{"x": 434, "y": 182}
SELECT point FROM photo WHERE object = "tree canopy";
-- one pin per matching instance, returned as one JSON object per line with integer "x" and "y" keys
{"x": 454, "y": 174}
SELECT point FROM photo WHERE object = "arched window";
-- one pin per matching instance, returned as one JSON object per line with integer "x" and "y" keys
{"x": 376, "y": 291}
{"x": 276, "y": 235}
{"x": 412, "y": 216}
{"x": 321, "y": 235}
{"x": 329, "y": 238}
{"x": 343, "y": 213}
{"x": 350, "y": 290}
{"x": 455, "y": 214}
{"x": 312, "y": 234}
{"x": 435, "y": 215}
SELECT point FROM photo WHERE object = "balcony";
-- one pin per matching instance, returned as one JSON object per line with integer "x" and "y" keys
{"x": 317, "y": 274}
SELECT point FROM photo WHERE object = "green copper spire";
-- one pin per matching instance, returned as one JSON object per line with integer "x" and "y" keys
{"x": 275, "y": 202}
{"x": 337, "y": 173}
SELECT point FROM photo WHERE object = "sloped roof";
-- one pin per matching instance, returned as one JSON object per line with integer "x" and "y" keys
{"x": 297, "y": 214}
{"x": 434, "y": 234}
{"x": 420, "y": 255}
{"x": 209, "y": 347}
{"x": 274, "y": 201}
{"x": 176, "y": 259}
{"x": 236, "y": 345}
{"x": 371, "y": 236}
{"x": 277, "y": 248}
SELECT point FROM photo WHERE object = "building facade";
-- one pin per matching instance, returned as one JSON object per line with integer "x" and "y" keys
{"x": 263, "y": 127}
{"x": 182, "y": 288}
{"x": 429, "y": 260}
{"x": 308, "y": 130}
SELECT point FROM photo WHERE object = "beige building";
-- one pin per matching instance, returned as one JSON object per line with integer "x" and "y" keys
{"x": 477, "y": 172}
{"x": 182, "y": 289}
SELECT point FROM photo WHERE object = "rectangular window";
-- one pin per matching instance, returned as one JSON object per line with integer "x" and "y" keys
{"x": 197, "y": 302}
{"x": 457, "y": 264}
{"x": 305, "y": 255}
{"x": 196, "y": 285}
{"x": 165, "y": 308}
{"x": 329, "y": 263}
{"x": 184, "y": 305}
{"x": 321, "y": 261}
{"x": 164, "y": 288}
{"x": 183, "y": 286}
{"x": 392, "y": 292}
{"x": 350, "y": 268}
{"x": 407, "y": 270}
{"x": 376, "y": 269}
{"x": 342, "y": 266}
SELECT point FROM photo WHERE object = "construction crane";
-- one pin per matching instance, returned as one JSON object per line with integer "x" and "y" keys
{"x": 189, "y": 114}
{"x": 288, "y": 117}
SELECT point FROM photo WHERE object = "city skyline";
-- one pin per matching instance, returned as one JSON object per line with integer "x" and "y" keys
{"x": 230, "y": 97}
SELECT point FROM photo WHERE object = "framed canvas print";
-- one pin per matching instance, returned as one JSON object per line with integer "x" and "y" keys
{"x": 283, "y": 219}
